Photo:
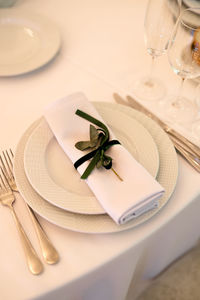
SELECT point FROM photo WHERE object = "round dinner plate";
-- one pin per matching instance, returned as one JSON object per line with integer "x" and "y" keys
{"x": 167, "y": 176}
{"x": 28, "y": 41}
{"x": 52, "y": 174}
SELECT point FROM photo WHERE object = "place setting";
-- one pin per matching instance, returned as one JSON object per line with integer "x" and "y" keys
{"x": 86, "y": 166}
{"x": 98, "y": 172}
{"x": 105, "y": 202}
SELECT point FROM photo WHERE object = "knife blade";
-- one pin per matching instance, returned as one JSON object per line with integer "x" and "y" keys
{"x": 189, "y": 155}
{"x": 183, "y": 141}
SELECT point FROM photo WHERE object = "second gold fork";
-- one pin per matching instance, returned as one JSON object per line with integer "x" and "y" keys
{"x": 49, "y": 252}
{"x": 7, "y": 198}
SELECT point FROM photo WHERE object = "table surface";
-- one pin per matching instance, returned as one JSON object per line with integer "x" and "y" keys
{"x": 102, "y": 52}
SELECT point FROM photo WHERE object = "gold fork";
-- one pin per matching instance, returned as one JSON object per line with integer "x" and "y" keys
{"x": 7, "y": 198}
{"x": 49, "y": 252}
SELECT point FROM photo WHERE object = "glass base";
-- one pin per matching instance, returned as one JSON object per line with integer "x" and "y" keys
{"x": 181, "y": 110}
{"x": 149, "y": 89}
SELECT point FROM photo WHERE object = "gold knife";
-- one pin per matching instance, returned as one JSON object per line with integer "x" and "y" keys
{"x": 189, "y": 155}
{"x": 184, "y": 142}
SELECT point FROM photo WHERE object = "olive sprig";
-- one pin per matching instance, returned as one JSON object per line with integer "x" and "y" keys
{"x": 99, "y": 143}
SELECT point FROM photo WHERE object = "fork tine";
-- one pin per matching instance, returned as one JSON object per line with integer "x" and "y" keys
{"x": 1, "y": 182}
{"x": 4, "y": 179}
{"x": 7, "y": 165}
{"x": 2, "y": 163}
{"x": 9, "y": 161}
{"x": 11, "y": 153}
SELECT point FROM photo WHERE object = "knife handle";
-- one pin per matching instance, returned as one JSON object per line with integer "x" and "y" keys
{"x": 186, "y": 144}
{"x": 183, "y": 148}
{"x": 190, "y": 158}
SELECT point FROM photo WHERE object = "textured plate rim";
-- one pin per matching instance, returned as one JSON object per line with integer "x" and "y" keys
{"x": 102, "y": 224}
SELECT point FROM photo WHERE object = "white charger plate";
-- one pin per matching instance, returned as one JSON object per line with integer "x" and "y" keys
{"x": 52, "y": 174}
{"x": 28, "y": 41}
{"x": 167, "y": 176}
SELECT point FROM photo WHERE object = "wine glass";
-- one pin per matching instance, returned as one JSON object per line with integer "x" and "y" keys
{"x": 160, "y": 19}
{"x": 184, "y": 58}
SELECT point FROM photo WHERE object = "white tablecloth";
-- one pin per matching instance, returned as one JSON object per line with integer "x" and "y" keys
{"x": 102, "y": 52}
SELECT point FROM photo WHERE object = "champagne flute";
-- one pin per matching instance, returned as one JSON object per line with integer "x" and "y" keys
{"x": 160, "y": 19}
{"x": 184, "y": 58}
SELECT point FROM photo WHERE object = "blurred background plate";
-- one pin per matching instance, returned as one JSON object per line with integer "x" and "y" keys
{"x": 28, "y": 41}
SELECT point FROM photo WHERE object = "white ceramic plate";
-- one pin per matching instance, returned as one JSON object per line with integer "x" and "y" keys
{"x": 167, "y": 176}
{"x": 52, "y": 174}
{"x": 28, "y": 41}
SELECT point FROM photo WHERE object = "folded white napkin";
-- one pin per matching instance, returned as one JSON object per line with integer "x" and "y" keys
{"x": 122, "y": 200}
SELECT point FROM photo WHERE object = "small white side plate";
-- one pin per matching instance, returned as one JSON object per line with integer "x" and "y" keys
{"x": 28, "y": 41}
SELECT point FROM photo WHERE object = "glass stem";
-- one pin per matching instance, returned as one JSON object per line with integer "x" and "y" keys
{"x": 180, "y": 90}
{"x": 152, "y": 67}
{"x": 177, "y": 101}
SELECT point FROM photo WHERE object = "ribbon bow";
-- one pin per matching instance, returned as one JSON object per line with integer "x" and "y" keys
{"x": 99, "y": 143}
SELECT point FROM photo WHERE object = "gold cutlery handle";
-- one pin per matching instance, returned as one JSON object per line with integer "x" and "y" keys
{"x": 49, "y": 253}
{"x": 184, "y": 147}
{"x": 187, "y": 149}
{"x": 190, "y": 146}
{"x": 190, "y": 159}
{"x": 176, "y": 135}
{"x": 33, "y": 261}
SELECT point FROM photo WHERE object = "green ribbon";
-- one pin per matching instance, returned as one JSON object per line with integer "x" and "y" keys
{"x": 101, "y": 145}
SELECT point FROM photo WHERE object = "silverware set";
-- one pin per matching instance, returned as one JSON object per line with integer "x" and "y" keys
{"x": 8, "y": 188}
{"x": 186, "y": 148}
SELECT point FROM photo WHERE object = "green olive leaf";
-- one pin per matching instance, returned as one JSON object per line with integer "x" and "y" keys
{"x": 94, "y": 134}
{"x": 83, "y": 145}
{"x": 95, "y": 137}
